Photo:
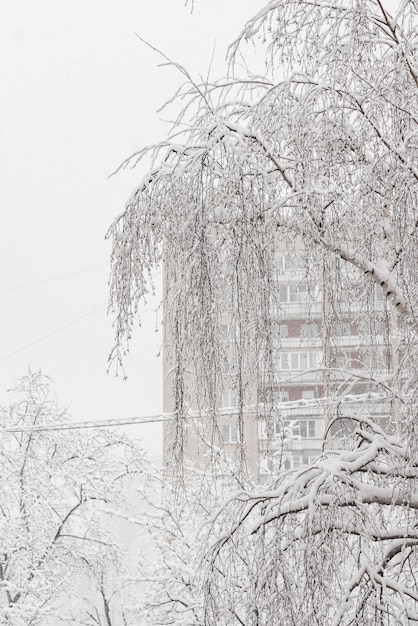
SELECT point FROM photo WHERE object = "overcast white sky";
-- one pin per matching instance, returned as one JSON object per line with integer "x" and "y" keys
{"x": 79, "y": 94}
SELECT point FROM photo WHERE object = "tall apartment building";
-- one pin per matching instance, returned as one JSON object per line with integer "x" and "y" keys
{"x": 318, "y": 371}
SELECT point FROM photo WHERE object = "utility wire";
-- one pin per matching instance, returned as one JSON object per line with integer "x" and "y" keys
{"x": 96, "y": 343}
{"x": 164, "y": 417}
{"x": 144, "y": 419}
{"x": 50, "y": 279}
{"x": 80, "y": 353}
{"x": 71, "y": 320}
{"x": 51, "y": 328}
{"x": 41, "y": 281}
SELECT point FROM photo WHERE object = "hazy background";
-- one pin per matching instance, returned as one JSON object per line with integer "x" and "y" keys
{"x": 80, "y": 94}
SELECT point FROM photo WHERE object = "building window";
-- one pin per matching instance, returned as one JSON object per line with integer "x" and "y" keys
{"x": 309, "y": 394}
{"x": 281, "y": 396}
{"x": 230, "y": 365}
{"x": 343, "y": 329}
{"x": 376, "y": 326}
{"x": 229, "y": 399}
{"x": 295, "y": 461}
{"x": 298, "y": 360}
{"x": 305, "y": 429}
{"x": 292, "y": 261}
{"x": 230, "y": 433}
{"x": 293, "y": 293}
{"x": 309, "y": 330}
{"x": 282, "y": 428}
{"x": 228, "y": 332}
{"x": 342, "y": 361}
{"x": 301, "y": 460}
{"x": 289, "y": 261}
{"x": 283, "y": 330}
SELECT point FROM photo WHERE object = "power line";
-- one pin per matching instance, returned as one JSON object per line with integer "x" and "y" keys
{"x": 96, "y": 343}
{"x": 9, "y": 290}
{"x": 164, "y": 417}
{"x": 71, "y": 320}
{"x": 41, "y": 281}
{"x": 144, "y": 419}
{"x": 68, "y": 322}
{"x": 80, "y": 353}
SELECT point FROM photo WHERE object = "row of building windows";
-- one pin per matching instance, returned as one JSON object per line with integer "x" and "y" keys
{"x": 300, "y": 428}
{"x": 307, "y": 331}
{"x": 285, "y": 361}
{"x": 294, "y": 292}
{"x": 310, "y": 330}
{"x": 298, "y": 360}
{"x": 306, "y": 394}
{"x": 229, "y": 399}
{"x": 296, "y": 460}
{"x": 293, "y": 461}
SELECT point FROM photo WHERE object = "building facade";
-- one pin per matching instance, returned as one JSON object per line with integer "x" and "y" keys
{"x": 314, "y": 380}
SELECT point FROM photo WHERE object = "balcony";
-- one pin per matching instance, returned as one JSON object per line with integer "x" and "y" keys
{"x": 304, "y": 444}
{"x": 289, "y": 343}
{"x": 296, "y": 310}
{"x": 298, "y": 377}
{"x": 291, "y": 445}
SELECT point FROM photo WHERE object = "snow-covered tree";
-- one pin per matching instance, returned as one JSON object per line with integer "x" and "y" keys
{"x": 169, "y": 574}
{"x": 335, "y": 543}
{"x": 59, "y": 489}
{"x": 317, "y": 153}
{"x": 322, "y": 148}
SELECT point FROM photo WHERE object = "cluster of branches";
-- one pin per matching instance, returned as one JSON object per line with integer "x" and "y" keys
{"x": 333, "y": 543}
{"x": 326, "y": 153}
{"x": 319, "y": 151}
{"x": 61, "y": 558}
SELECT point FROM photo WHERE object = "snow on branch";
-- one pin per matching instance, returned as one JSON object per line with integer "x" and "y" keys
{"x": 352, "y": 502}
